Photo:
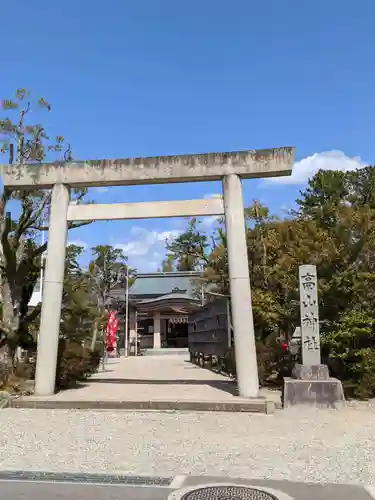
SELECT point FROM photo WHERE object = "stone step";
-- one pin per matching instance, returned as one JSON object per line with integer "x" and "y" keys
{"x": 251, "y": 405}
{"x": 166, "y": 351}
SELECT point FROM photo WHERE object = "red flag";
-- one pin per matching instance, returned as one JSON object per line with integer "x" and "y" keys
{"x": 111, "y": 330}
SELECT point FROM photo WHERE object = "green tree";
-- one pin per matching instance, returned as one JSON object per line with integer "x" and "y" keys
{"x": 260, "y": 221}
{"x": 350, "y": 352}
{"x": 333, "y": 228}
{"x": 167, "y": 265}
{"x": 216, "y": 268}
{"x": 107, "y": 270}
{"x": 349, "y": 225}
{"x": 79, "y": 308}
{"x": 20, "y": 254}
{"x": 189, "y": 249}
{"x": 325, "y": 194}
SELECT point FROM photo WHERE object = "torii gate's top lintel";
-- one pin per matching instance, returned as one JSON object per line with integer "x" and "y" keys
{"x": 154, "y": 170}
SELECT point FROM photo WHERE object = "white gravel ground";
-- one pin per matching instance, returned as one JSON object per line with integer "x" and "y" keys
{"x": 308, "y": 445}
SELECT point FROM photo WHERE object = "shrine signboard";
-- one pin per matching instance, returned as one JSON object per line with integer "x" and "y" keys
{"x": 310, "y": 337}
{"x": 310, "y": 383}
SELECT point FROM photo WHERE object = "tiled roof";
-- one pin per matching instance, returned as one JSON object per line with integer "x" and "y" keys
{"x": 170, "y": 296}
{"x": 163, "y": 284}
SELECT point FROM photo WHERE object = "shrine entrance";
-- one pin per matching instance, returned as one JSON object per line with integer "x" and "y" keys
{"x": 177, "y": 334}
{"x": 227, "y": 167}
{"x": 159, "y": 307}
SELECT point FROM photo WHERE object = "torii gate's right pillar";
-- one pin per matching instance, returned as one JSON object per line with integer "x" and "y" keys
{"x": 239, "y": 281}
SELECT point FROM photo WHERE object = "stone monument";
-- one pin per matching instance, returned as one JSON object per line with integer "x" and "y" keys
{"x": 310, "y": 382}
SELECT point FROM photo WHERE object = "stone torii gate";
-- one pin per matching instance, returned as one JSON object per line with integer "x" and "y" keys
{"x": 228, "y": 167}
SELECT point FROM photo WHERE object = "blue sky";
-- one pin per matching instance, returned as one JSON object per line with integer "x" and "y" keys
{"x": 158, "y": 77}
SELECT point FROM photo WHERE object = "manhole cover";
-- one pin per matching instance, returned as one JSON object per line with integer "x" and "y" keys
{"x": 228, "y": 493}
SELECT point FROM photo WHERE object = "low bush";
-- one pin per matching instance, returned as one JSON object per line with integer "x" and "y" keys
{"x": 274, "y": 362}
{"x": 349, "y": 351}
{"x": 25, "y": 370}
{"x": 4, "y": 372}
{"x": 229, "y": 363}
{"x": 75, "y": 364}
{"x": 16, "y": 377}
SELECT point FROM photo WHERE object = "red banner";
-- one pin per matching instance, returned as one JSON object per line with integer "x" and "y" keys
{"x": 110, "y": 333}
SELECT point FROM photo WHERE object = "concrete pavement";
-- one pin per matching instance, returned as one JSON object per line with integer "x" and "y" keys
{"x": 152, "y": 377}
{"x": 155, "y": 382}
{"x": 86, "y": 487}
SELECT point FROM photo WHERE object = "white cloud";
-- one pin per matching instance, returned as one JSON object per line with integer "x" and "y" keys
{"x": 133, "y": 248}
{"x": 306, "y": 168}
{"x": 167, "y": 235}
{"x": 101, "y": 189}
{"x": 284, "y": 208}
{"x": 208, "y": 222}
{"x": 146, "y": 249}
{"x": 209, "y": 196}
{"x": 79, "y": 243}
{"x": 144, "y": 241}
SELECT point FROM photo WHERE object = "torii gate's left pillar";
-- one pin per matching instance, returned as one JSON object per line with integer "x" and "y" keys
{"x": 45, "y": 376}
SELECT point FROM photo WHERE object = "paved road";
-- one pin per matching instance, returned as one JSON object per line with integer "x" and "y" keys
{"x": 48, "y": 491}
{"x": 283, "y": 490}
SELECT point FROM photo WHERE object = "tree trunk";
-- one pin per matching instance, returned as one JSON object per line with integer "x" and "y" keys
{"x": 11, "y": 311}
{"x": 94, "y": 333}
{"x": 10, "y": 320}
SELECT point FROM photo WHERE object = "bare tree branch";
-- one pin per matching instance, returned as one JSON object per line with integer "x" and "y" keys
{"x": 41, "y": 249}
{"x": 20, "y": 133}
{"x": 71, "y": 225}
{"x": 30, "y": 317}
{"x": 68, "y": 153}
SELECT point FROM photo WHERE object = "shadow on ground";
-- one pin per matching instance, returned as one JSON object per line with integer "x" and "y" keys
{"x": 225, "y": 386}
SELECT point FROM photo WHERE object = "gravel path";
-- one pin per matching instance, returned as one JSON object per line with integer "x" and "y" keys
{"x": 299, "y": 445}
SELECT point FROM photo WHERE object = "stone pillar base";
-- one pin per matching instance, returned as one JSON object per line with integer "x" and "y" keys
{"x": 312, "y": 385}
{"x": 310, "y": 372}
{"x": 317, "y": 393}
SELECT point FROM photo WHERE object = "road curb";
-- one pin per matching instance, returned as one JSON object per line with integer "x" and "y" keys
{"x": 370, "y": 488}
{"x": 178, "y": 487}
{"x": 85, "y": 478}
{"x": 256, "y": 405}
